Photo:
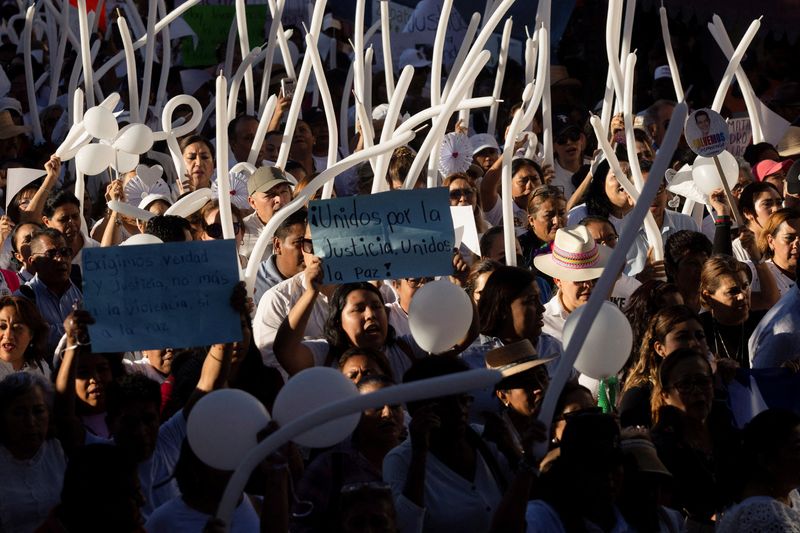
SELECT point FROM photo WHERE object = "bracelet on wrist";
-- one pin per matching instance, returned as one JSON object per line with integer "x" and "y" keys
{"x": 722, "y": 220}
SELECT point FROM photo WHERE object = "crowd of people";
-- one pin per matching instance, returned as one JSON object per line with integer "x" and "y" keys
{"x": 94, "y": 442}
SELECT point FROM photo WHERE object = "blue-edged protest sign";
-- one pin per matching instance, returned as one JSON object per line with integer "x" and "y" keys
{"x": 391, "y": 235}
{"x": 172, "y": 295}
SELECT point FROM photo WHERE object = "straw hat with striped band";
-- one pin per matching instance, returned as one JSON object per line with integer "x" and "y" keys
{"x": 575, "y": 256}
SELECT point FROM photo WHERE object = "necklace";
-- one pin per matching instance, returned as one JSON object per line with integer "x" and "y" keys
{"x": 719, "y": 340}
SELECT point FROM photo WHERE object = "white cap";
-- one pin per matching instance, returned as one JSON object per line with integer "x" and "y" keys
{"x": 150, "y": 198}
{"x": 662, "y": 72}
{"x": 481, "y": 141}
{"x": 413, "y": 57}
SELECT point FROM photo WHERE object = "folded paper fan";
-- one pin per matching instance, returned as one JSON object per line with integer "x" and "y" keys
{"x": 455, "y": 154}
{"x": 146, "y": 182}
{"x": 238, "y": 190}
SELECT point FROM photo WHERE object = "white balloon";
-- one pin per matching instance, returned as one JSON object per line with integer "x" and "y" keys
{"x": 309, "y": 390}
{"x": 191, "y": 203}
{"x": 100, "y": 123}
{"x": 608, "y": 344}
{"x": 706, "y": 176}
{"x": 224, "y": 425}
{"x": 141, "y": 238}
{"x": 439, "y": 316}
{"x": 94, "y": 158}
{"x": 134, "y": 139}
{"x": 124, "y": 162}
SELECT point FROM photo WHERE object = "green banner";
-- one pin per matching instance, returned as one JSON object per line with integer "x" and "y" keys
{"x": 212, "y": 24}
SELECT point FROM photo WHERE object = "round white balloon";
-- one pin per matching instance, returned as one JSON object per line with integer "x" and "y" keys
{"x": 94, "y": 158}
{"x": 705, "y": 174}
{"x": 223, "y": 427}
{"x": 134, "y": 139}
{"x": 308, "y": 391}
{"x": 608, "y": 344}
{"x": 100, "y": 123}
{"x": 124, "y": 162}
{"x": 439, "y": 316}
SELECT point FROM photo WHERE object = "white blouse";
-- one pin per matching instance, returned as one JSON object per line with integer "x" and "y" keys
{"x": 30, "y": 488}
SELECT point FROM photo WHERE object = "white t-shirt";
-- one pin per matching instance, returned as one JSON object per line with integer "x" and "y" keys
{"x": 783, "y": 282}
{"x": 563, "y": 178}
{"x": 177, "y": 517}
{"x": 623, "y": 288}
{"x": 494, "y": 216}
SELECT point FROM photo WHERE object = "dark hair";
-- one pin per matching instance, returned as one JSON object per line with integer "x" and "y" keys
{"x": 597, "y": 202}
{"x": 570, "y": 388}
{"x": 298, "y": 217}
{"x": 194, "y": 138}
{"x": 487, "y": 239}
{"x": 764, "y": 436}
{"x": 100, "y": 483}
{"x": 662, "y": 383}
{"x": 131, "y": 388}
{"x": 376, "y": 356}
{"x": 522, "y": 162}
{"x": 645, "y": 369}
{"x": 643, "y": 303}
{"x": 30, "y": 316}
{"x": 292, "y": 165}
{"x": 481, "y": 267}
{"x": 596, "y": 219}
{"x": 431, "y": 367}
{"x": 755, "y": 152}
{"x": 233, "y": 124}
{"x": 59, "y": 199}
{"x": 700, "y": 113}
{"x": 541, "y": 194}
{"x": 168, "y": 228}
{"x": 17, "y": 229}
{"x": 14, "y": 212}
{"x": 50, "y": 233}
{"x": 747, "y": 200}
{"x": 337, "y": 338}
{"x": 503, "y": 287}
{"x": 375, "y": 379}
{"x": 684, "y": 242}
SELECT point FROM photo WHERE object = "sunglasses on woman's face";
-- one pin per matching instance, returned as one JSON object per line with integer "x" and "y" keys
{"x": 570, "y": 136}
{"x": 458, "y": 194}
{"x": 215, "y": 230}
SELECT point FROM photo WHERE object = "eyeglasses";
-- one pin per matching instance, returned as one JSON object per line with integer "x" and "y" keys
{"x": 417, "y": 282}
{"x": 457, "y": 194}
{"x": 570, "y": 136}
{"x": 700, "y": 382}
{"x": 215, "y": 230}
{"x": 307, "y": 245}
{"x": 52, "y": 253}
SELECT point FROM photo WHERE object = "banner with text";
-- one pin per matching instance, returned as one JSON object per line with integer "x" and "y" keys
{"x": 391, "y": 235}
{"x": 172, "y": 295}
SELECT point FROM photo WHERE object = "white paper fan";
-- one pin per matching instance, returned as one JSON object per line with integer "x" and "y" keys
{"x": 455, "y": 154}
{"x": 238, "y": 190}
{"x": 146, "y": 182}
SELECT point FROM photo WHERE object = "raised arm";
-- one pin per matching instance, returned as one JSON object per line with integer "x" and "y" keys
{"x": 71, "y": 430}
{"x": 33, "y": 212}
{"x": 288, "y": 347}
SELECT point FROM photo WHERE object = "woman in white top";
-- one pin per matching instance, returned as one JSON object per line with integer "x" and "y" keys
{"x": 779, "y": 244}
{"x": 23, "y": 335}
{"x": 771, "y": 469}
{"x": 31, "y": 464}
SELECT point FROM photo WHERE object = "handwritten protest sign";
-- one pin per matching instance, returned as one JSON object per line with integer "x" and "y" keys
{"x": 741, "y": 135}
{"x": 396, "y": 234}
{"x": 161, "y": 295}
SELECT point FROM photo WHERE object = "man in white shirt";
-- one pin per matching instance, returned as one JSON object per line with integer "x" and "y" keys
{"x": 569, "y": 142}
{"x": 268, "y": 190}
{"x": 575, "y": 265}
{"x": 276, "y": 303}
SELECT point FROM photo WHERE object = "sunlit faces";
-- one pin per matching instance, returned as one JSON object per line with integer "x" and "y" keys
{"x": 730, "y": 302}
{"x": 462, "y": 193}
{"x": 765, "y": 204}
{"x": 15, "y": 337}
{"x": 603, "y": 233}
{"x": 22, "y": 242}
{"x": 92, "y": 377}
{"x": 267, "y": 203}
{"x": 485, "y": 158}
{"x": 364, "y": 319}
{"x": 199, "y": 165}
{"x": 289, "y": 251}
{"x": 359, "y": 366}
{"x": 161, "y": 360}
{"x": 689, "y": 334}
{"x": 784, "y": 245}
{"x": 550, "y": 216}
{"x": 574, "y": 294}
{"x": 616, "y": 194}
{"x": 523, "y": 183}
{"x": 66, "y": 219}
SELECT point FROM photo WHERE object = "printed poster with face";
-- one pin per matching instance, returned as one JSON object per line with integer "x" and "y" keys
{"x": 706, "y": 132}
